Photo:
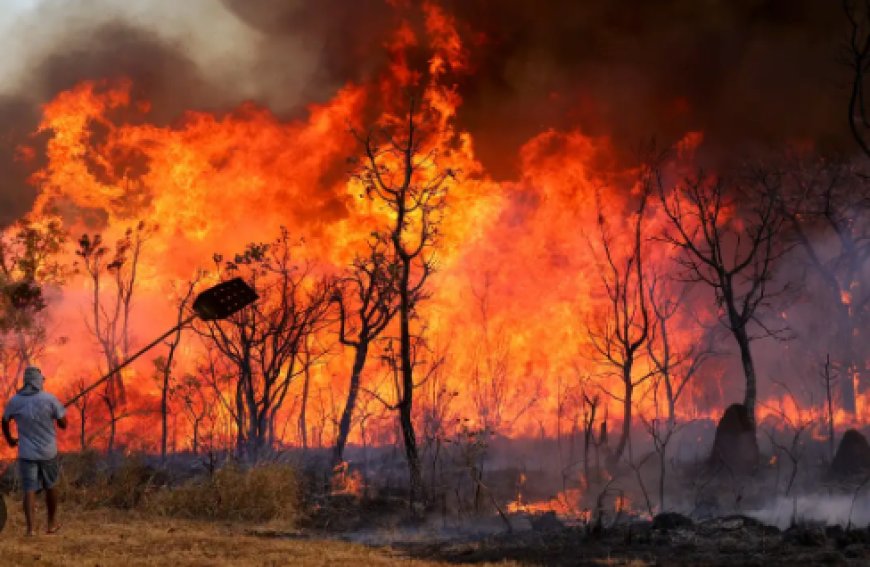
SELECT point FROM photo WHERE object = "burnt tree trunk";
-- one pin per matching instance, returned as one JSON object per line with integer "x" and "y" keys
{"x": 303, "y": 411}
{"x": 626, "y": 413}
{"x": 110, "y": 405}
{"x": 406, "y": 404}
{"x": 347, "y": 415}
{"x": 737, "y": 325}
{"x": 164, "y": 411}
{"x": 83, "y": 440}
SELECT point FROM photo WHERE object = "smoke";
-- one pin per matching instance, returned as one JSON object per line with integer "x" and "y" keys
{"x": 746, "y": 72}
{"x": 16, "y": 195}
{"x": 825, "y": 509}
{"x": 751, "y": 73}
{"x": 179, "y": 55}
{"x": 192, "y": 53}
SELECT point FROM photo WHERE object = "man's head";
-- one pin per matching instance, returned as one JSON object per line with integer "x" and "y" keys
{"x": 33, "y": 377}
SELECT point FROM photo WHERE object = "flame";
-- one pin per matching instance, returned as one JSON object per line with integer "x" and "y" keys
{"x": 565, "y": 503}
{"x": 212, "y": 182}
{"x": 346, "y": 481}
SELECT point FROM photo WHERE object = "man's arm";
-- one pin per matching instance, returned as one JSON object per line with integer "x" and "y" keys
{"x": 61, "y": 422}
{"x": 7, "y": 433}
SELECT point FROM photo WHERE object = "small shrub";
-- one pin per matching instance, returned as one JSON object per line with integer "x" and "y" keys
{"x": 86, "y": 479}
{"x": 261, "y": 494}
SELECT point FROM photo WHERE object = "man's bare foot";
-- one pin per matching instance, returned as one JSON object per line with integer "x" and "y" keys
{"x": 29, "y": 533}
{"x": 53, "y": 529}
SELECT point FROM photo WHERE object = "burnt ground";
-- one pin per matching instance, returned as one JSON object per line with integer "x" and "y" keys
{"x": 734, "y": 540}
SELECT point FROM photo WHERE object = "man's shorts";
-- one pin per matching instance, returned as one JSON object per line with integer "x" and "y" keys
{"x": 38, "y": 475}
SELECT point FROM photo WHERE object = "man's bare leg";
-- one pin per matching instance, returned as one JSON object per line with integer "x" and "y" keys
{"x": 51, "y": 504}
{"x": 29, "y": 504}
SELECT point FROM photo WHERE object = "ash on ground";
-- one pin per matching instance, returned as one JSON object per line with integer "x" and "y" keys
{"x": 669, "y": 539}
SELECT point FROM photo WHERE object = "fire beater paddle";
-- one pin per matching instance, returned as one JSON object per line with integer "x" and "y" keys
{"x": 213, "y": 304}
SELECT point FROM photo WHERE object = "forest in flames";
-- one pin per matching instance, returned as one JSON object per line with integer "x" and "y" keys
{"x": 585, "y": 281}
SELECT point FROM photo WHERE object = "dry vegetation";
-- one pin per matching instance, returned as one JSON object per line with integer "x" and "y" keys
{"x": 129, "y": 513}
{"x": 268, "y": 492}
{"x": 120, "y": 537}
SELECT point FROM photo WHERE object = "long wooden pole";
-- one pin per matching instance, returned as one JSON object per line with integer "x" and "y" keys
{"x": 124, "y": 364}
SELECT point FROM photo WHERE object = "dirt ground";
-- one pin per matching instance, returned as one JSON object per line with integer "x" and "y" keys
{"x": 108, "y": 537}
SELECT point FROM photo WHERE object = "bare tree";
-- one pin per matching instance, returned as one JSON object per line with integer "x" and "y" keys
{"x": 826, "y": 207}
{"x": 793, "y": 449}
{"x": 619, "y": 335}
{"x": 197, "y": 407}
{"x": 216, "y": 372}
{"x": 264, "y": 341}
{"x": 366, "y": 299}
{"x": 498, "y": 399}
{"x": 81, "y": 404}
{"x": 731, "y": 246}
{"x": 438, "y": 422}
{"x": 109, "y": 320}
{"x": 590, "y": 439}
{"x": 164, "y": 365}
{"x": 673, "y": 366}
{"x": 399, "y": 172}
{"x": 116, "y": 414}
{"x": 312, "y": 355}
{"x": 302, "y": 422}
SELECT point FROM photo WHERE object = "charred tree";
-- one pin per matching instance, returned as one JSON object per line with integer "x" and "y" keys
{"x": 674, "y": 366}
{"x": 730, "y": 246}
{"x": 109, "y": 321}
{"x": 81, "y": 404}
{"x": 623, "y": 330}
{"x": 197, "y": 407}
{"x": 793, "y": 448}
{"x": 499, "y": 400}
{"x": 367, "y": 302}
{"x": 164, "y": 365}
{"x": 400, "y": 172}
{"x": 826, "y": 206}
{"x": 264, "y": 342}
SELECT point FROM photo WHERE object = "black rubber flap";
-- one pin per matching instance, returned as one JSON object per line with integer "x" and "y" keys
{"x": 224, "y": 299}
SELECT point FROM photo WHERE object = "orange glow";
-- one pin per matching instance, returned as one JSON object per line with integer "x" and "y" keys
{"x": 345, "y": 481}
{"x": 566, "y": 504}
{"x": 515, "y": 267}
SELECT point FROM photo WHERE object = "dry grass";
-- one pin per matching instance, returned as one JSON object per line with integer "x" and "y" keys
{"x": 122, "y": 537}
{"x": 265, "y": 493}
{"x": 126, "y": 515}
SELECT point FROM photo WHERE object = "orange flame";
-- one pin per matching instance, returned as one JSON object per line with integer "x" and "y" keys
{"x": 515, "y": 265}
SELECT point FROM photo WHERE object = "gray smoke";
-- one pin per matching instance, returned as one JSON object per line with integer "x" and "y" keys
{"x": 749, "y": 73}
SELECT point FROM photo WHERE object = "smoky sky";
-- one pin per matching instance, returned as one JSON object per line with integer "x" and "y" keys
{"x": 748, "y": 73}
{"x": 745, "y": 72}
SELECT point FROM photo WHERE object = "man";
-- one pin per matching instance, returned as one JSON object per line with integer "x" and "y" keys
{"x": 35, "y": 411}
